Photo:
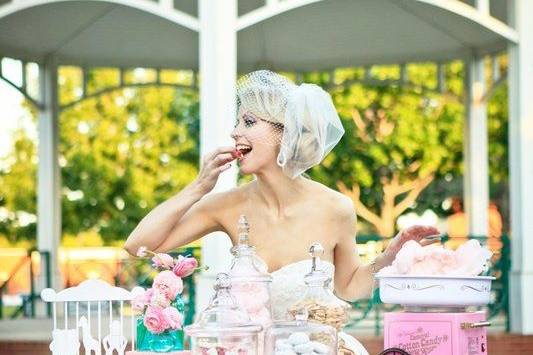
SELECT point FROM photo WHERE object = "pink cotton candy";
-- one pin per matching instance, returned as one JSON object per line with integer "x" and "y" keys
{"x": 470, "y": 259}
{"x": 473, "y": 259}
{"x": 252, "y": 296}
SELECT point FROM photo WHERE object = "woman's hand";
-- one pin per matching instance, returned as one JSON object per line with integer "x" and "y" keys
{"x": 417, "y": 233}
{"x": 212, "y": 166}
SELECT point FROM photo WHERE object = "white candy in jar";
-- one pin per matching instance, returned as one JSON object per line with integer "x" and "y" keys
{"x": 319, "y": 347}
{"x": 298, "y": 338}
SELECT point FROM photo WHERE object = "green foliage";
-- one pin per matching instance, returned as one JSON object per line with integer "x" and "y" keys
{"x": 392, "y": 130}
{"x": 121, "y": 154}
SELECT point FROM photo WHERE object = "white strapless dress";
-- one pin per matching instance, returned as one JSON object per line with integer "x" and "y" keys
{"x": 288, "y": 287}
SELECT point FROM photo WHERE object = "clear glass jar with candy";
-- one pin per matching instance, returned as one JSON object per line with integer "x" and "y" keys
{"x": 301, "y": 336}
{"x": 321, "y": 304}
{"x": 250, "y": 278}
{"x": 224, "y": 328}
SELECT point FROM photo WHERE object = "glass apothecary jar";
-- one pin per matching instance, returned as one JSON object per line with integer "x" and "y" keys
{"x": 250, "y": 280}
{"x": 301, "y": 336}
{"x": 318, "y": 300}
{"x": 223, "y": 327}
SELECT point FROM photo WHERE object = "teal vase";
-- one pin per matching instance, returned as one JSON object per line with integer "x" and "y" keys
{"x": 169, "y": 340}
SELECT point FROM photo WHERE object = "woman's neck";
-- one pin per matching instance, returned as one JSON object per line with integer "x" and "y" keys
{"x": 277, "y": 190}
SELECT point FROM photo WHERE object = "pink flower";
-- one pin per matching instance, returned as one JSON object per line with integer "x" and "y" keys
{"x": 169, "y": 284}
{"x": 142, "y": 252}
{"x": 154, "y": 320}
{"x": 185, "y": 266}
{"x": 148, "y": 295}
{"x": 163, "y": 260}
{"x": 173, "y": 317}
{"x": 159, "y": 299}
{"x": 139, "y": 302}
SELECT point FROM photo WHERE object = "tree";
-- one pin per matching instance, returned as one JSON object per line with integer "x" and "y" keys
{"x": 18, "y": 175}
{"x": 124, "y": 152}
{"x": 121, "y": 153}
{"x": 398, "y": 140}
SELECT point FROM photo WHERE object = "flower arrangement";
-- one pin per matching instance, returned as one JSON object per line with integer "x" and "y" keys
{"x": 161, "y": 307}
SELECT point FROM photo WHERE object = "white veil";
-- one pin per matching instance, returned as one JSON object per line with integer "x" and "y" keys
{"x": 311, "y": 125}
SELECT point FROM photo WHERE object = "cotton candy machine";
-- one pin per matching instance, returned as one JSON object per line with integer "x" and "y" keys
{"x": 439, "y": 315}
{"x": 435, "y": 318}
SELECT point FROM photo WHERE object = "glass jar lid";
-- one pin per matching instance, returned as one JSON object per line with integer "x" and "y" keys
{"x": 223, "y": 313}
{"x": 317, "y": 276}
{"x": 246, "y": 264}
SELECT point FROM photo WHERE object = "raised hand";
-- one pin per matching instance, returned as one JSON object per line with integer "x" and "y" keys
{"x": 417, "y": 233}
{"x": 213, "y": 165}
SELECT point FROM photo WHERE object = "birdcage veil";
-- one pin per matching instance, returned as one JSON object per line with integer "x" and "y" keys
{"x": 307, "y": 126}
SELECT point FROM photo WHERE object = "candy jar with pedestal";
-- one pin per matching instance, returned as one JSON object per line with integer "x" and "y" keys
{"x": 301, "y": 336}
{"x": 319, "y": 301}
{"x": 249, "y": 278}
{"x": 224, "y": 328}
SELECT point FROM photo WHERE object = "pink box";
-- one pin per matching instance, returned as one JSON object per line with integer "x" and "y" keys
{"x": 435, "y": 333}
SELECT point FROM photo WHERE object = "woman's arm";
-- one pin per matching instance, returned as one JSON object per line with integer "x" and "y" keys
{"x": 186, "y": 216}
{"x": 353, "y": 279}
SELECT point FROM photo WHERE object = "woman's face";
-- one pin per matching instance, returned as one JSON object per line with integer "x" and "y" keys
{"x": 258, "y": 140}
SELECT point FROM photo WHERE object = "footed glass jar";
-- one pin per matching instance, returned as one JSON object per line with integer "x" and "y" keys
{"x": 250, "y": 280}
{"x": 301, "y": 337}
{"x": 319, "y": 301}
{"x": 224, "y": 328}
{"x": 167, "y": 341}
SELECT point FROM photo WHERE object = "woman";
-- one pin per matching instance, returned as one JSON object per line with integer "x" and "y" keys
{"x": 282, "y": 130}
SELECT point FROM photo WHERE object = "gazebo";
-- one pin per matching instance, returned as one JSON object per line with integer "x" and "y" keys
{"x": 219, "y": 38}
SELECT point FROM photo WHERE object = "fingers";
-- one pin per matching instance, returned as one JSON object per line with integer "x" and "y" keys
{"x": 426, "y": 242}
{"x": 420, "y": 232}
{"x": 223, "y": 158}
{"x": 220, "y": 150}
{"x": 223, "y": 168}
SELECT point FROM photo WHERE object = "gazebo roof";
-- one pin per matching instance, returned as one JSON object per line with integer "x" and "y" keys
{"x": 293, "y": 35}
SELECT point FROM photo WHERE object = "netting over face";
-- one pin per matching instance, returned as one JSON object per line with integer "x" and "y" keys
{"x": 300, "y": 121}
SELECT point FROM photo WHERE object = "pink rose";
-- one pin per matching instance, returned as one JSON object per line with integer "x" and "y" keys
{"x": 173, "y": 317}
{"x": 169, "y": 284}
{"x": 148, "y": 295}
{"x": 142, "y": 300}
{"x": 185, "y": 266}
{"x": 139, "y": 302}
{"x": 154, "y": 320}
{"x": 159, "y": 299}
{"x": 163, "y": 260}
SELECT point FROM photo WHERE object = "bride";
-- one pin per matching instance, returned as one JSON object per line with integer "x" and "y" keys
{"x": 282, "y": 129}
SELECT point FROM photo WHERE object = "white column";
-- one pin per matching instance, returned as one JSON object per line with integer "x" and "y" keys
{"x": 476, "y": 162}
{"x": 48, "y": 177}
{"x": 218, "y": 73}
{"x": 483, "y": 6}
{"x": 521, "y": 167}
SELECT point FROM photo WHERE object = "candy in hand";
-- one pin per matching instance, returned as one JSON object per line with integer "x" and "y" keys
{"x": 237, "y": 154}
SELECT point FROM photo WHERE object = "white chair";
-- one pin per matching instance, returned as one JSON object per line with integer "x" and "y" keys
{"x": 93, "y": 295}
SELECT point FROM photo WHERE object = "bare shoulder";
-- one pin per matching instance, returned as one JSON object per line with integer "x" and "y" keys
{"x": 226, "y": 199}
{"x": 338, "y": 205}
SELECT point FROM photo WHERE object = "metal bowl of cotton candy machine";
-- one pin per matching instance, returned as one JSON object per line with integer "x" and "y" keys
{"x": 435, "y": 291}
